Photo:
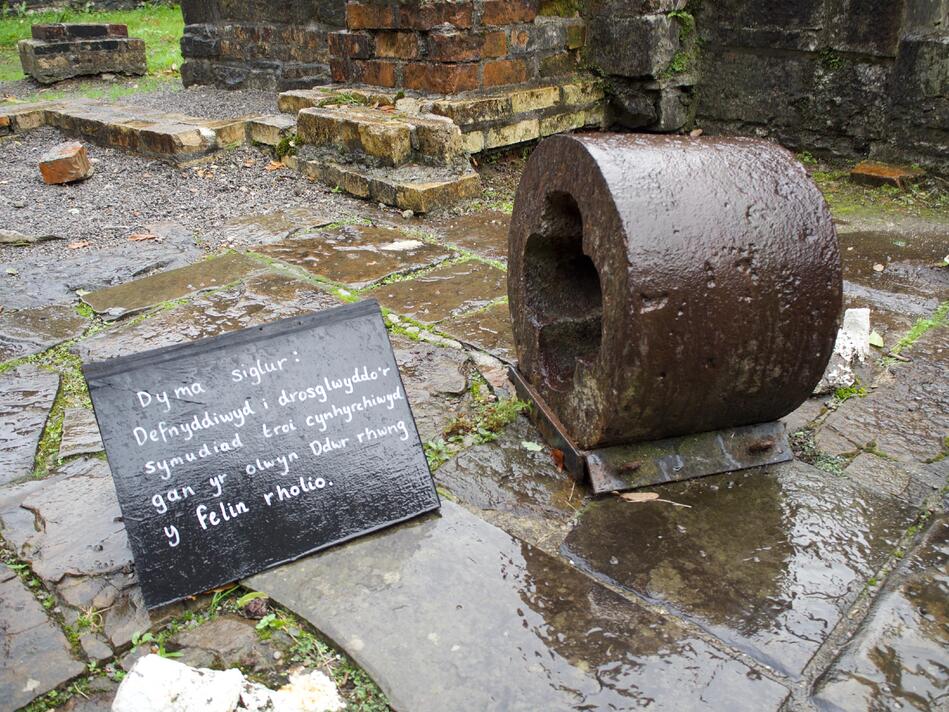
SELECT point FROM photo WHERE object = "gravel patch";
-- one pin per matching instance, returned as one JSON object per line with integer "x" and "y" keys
{"x": 128, "y": 192}
{"x": 206, "y": 102}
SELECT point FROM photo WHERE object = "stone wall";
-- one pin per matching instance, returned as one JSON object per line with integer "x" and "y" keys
{"x": 841, "y": 77}
{"x": 455, "y": 46}
{"x": 258, "y": 44}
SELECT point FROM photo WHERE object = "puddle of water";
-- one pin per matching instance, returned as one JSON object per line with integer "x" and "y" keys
{"x": 909, "y": 262}
{"x": 768, "y": 560}
{"x": 484, "y": 234}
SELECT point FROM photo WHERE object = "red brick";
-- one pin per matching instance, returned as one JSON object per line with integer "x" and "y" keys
{"x": 370, "y": 15}
{"x": 495, "y": 44}
{"x": 376, "y": 72}
{"x": 440, "y": 78}
{"x": 65, "y": 163}
{"x": 341, "y": 69}
{"x": 507, "y": 12}
{"x": 505, "y": 71}
{"x": 117, "y": 30}
{"x": 454, "y": 46}
{"x": 355, "y": 45}
{"x": 402, "y": 45}
{"x": 428, "y": 14}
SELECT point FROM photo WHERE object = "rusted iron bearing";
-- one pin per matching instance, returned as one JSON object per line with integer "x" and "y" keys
{"x": 666, "y": 285}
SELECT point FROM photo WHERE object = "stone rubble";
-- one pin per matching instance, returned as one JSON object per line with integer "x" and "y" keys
{"x": 66, "y": 163}
{"x": 852, "y": 347}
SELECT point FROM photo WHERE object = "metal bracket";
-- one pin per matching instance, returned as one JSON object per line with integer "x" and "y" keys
{"x": 624, "y": 467}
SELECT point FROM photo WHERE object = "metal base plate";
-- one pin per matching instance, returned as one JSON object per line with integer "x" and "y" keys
{"x": 624, "y": 467}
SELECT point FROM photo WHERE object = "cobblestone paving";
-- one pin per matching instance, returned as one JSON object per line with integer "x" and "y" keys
{"x": 817, "y": 584}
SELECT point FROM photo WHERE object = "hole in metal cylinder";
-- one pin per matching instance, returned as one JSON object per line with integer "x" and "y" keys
{"x": 562, "y": 289}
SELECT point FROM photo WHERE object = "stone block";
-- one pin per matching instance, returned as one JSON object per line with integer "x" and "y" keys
{"x": 558, "y": 123}
{"x": 512, "y": 134}
{"x": 290, "y": 102}
{"x": 49, "y": 62}
{"x": 57, "y": 32}
{"x": 270, "y": 130}
{"x": 455, "y": 46}
{"x": 582, "y": 93}
{"x": 365, "y": 131}
{"x": 65, "y": 163}
{"x": 539, "y": 36}
{"x": 475, "y": 110}
{"x": 200, "y": 41}
{"x": 874, "y": 173}
{"x": 532, "y": 99}
{"x": 632, "y": 46}
{"x": 559, "y": 64}
{"x": 504, "y": 71}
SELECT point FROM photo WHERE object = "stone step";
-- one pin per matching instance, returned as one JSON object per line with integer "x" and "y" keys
{"x": 172, "y": 137}
{"x": 410, "y": 187}
{"x": 486, "y": 120}
{"x": 384, "y": 136}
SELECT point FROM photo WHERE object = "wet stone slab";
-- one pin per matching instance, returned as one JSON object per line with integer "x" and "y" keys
{"x": 43, "y": 279}
{"x": 910, "y": 481}
{"x": 898, "y": 659}
{"x": 768, "y": 560}
{"x": 514, "y": 487}
{"x": 484, "y": 234}
{"x": 487, "y": 329}
{"x": 114, "y": 302}
{"x": 910, "y": 262}
{"x": 436, "y": 384}
{"x": 26, "y": 396}
{"x": 448, "y": 290}
{"x": 30, "y": 331}
{"x": 261, "y": 299}
{"x": 357, "y": 255}
{"x": 905, "y": 416}
{"x": 451, "y": 613}
{"x": 34, "y": 653}
{"x": 262, "y": 229}
{"x": 80, "y": 433}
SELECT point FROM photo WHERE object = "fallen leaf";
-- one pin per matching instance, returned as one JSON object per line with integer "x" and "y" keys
{"x": 557, "y": 456}
{"x": 639, "y": 496}
{"x": 274, "y": 166}
{"x": 875, "y": 339}
{"x": 78, "y": 245}
{"x": 250, "y": 163}
{"x": 532, "y": 446}
{"x": 140, "y": 236}
{"x": 878, "y": 267}
{"x": 695, "y": 133}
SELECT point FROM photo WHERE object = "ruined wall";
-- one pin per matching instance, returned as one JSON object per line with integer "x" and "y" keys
{"x": 843, "y": 77}
{"x": 455, "y": 46}
{"x": 258, "y": 44}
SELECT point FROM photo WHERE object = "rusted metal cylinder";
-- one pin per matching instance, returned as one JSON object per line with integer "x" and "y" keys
{"x": 666, "y": 285}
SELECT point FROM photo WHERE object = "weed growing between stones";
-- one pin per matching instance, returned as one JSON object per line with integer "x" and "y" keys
{"x": 806, "y": 450}
{"x": 927, "y": 199}
{"x": 842, "y": 395}
{"x": 918, "y": 330}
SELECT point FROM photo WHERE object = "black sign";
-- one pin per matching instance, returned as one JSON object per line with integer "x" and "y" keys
{"x": 239, "y": 452}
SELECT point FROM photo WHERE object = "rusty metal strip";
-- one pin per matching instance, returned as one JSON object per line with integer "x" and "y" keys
{"x": 626, "y": 467}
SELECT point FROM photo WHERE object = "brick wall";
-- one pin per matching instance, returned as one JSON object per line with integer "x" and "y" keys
{"x": 455, "y": 46}
{"x": 257, "y": 43}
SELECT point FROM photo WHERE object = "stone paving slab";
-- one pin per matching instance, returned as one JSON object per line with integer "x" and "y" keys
{"x": 769, "y": 560}
{"x": 260, "y": 299}
{"x": 34, "y": 653}
{"x": 484, "y": 233}
{"x": 912, "y": 482}
{"x": 123, "y": 299}
{"x": 357, "y": 255}
{"x": 515, "y": 488}
{"x": 487, "y": 329}
{"x": 80, "y": 433}
{"x": 259, "y": 229}
{"x": 905, "y": 416}
{"x": 447, "y": 290}
{"x": 910, "y": 263}
{"x": 30, "y": 331}
{"x": 436, "y": 384}
{"x": 42, "y": 279}
{"x": 898, "y": 659}
{"x": 451, "y": 613}
{"x": 26, "y": 396}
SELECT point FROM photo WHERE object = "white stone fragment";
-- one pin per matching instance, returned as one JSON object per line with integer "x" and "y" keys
{"x": 156, "y": 684}
{"x": 852, "y": 346}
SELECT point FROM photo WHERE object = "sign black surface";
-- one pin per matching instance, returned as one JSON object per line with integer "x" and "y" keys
{"x": 239, "y": 452}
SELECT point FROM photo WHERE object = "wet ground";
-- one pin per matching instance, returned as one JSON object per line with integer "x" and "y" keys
{"x": 815, "y": 584}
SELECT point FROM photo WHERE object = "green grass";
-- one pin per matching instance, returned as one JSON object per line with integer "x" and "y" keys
{"x": 160, "y": 26}
{"x": 846, "y": 198}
